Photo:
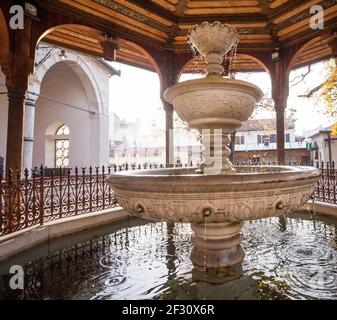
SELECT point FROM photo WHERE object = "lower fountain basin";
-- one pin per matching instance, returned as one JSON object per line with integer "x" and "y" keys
{"x": 181, "y": 195}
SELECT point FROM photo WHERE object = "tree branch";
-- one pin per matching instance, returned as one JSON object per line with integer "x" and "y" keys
{"x": 312, "y": 91}
{"x": 301, "y": 77}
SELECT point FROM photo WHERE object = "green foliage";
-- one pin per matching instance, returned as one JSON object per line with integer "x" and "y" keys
{"x": 329, "y": 88}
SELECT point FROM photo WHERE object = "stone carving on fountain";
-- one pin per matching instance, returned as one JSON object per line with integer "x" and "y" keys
{"x": 217, "y": 197}
{"x": 214, "y": 102}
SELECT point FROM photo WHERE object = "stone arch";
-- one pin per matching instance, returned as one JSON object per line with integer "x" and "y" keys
{"x": 51, "y": 129}
{"x": 120, "y": 41}
{"x": 89, "y": 142}
{"x": 80, "y": 68}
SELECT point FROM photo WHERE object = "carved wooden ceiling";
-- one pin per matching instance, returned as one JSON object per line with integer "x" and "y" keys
{"x": 262, "y": 24}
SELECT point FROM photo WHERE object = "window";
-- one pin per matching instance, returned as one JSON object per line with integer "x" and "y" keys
{"x": 63, "y": 130}
{"x": 273, "y": 138}
{"x": 287, "y": 137}
{"x": 239, "y": 140}
{"x": 265, "y": 140}
{"x": 62, "y": 147}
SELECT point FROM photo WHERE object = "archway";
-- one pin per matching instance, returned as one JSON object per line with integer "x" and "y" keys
{"x": 65, "y": 89}
{"x": 74, "y": 35}
{"x": 315, "y": 50}
{"x": 128, "y": 53}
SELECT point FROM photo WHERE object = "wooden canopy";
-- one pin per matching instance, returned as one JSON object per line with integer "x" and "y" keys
{"x": 275, "y": 36}
{"x": 264, "y": 25}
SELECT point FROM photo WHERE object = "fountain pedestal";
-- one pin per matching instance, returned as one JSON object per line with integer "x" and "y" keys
{"x": 217, "y": 245}
{"x": 215, "y": 152}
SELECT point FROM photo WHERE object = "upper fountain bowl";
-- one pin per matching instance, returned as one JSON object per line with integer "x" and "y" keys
{"x": 213, "y": 37}
{"x": 214, "y": 102}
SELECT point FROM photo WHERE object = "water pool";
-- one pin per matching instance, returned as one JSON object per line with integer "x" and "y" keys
{"x": 292, "y": 258}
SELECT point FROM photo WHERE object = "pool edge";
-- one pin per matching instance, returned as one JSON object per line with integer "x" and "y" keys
{"x": 22, "y": 240}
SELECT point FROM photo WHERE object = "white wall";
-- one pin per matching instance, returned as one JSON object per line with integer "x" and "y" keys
{"x": 63, "y": 87}
{"x": 323, "y": 148}
{"x": 3, "y": 116}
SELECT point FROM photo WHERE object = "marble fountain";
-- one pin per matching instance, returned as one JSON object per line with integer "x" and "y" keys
{"x": 218, "y": 197}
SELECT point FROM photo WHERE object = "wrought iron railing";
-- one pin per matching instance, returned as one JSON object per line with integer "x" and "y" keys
{"x": 326, "y": 188}
{"x": 44, "y": 195}
{"x": 36, "y": 198}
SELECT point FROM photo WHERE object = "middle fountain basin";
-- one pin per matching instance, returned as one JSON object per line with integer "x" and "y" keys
{"x": 180, "y": 195}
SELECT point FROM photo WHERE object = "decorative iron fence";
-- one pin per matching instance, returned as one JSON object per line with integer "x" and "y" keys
{"x": 45, "y": 195}
{"x": 326, "y": 188}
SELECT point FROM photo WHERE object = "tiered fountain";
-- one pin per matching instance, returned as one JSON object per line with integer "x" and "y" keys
{"x": 217, "y": 197}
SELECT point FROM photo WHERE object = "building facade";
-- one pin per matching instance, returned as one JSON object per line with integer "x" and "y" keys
{"x": 323, "y": 146}
{"x": 66, "y": 113}
{"x": 255, "y": 143}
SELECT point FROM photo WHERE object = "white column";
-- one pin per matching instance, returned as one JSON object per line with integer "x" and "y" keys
{"x": 99, "y": 144}
{"x": 28, "y": 134}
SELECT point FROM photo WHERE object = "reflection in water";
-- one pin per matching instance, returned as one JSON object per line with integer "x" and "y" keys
{"x": 286, "y": 258}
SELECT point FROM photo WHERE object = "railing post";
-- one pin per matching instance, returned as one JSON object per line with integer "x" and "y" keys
{"x": 41, "y": 205}
{"x": 76, "y": 191}
{"x": 97, "y": 188}
{"x": 1, "y": 201}
{"x": 103, "y": 187}
{"x": 90, "y": 189}
{"x": 109, "y": 172}
{"x": 323, "y": 181}
{"x": 60, "y": 195}
{"x": 68, "y": 189}
{"x": 52, "y": 194}
{"x": 334, "y": 182}
{"x": 26, "y": 198}
{"x": 83, "y": 189}
{"x": 34, "y": 193}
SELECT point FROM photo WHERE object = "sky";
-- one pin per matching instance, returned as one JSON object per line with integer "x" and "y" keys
{"x": 136, "y": 95}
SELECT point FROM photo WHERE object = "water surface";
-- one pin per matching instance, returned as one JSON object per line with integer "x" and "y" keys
{"x": 293, "y": 258}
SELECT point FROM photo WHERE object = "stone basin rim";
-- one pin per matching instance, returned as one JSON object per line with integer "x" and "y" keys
{"x": 186, "y": 176}
{"x": 211, "y": 83}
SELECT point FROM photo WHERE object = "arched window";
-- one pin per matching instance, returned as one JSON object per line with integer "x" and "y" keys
{"x": 62, "y": 147}
{"x": 62, "y": 130}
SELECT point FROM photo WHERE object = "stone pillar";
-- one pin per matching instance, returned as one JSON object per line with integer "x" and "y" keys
{"x": 169, "y": 143}
{"x": 280, "y": 111}
{"x": 280, "y": 92}
{"x": 28, "y": 134}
